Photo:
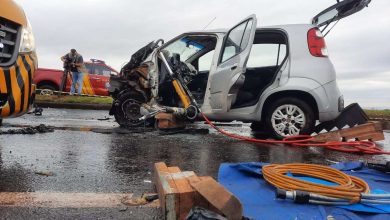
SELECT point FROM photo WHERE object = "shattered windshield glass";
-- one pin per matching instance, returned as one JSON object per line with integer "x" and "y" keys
{"x": 185, "y": 47}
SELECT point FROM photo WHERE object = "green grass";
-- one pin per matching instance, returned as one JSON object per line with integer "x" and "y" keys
{"x": 73, "y": 99}
{"x": 378, "y": 113}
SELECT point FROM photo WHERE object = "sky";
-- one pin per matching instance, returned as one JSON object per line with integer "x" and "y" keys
{"x": 112, "y": 30}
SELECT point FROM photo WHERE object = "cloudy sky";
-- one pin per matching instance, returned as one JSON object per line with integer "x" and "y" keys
{"x": 112, "y": 30}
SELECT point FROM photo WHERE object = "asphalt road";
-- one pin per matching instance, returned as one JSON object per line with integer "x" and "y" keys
{"x": 81, "y": 170}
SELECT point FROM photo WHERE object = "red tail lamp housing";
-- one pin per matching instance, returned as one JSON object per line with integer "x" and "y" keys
{"x": 316, "y": 43}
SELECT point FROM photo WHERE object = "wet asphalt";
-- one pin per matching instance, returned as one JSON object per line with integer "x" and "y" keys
{"x": 107, "y": 159}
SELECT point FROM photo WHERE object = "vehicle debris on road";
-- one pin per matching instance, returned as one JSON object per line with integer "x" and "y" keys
{"x": 29, "y": 130}
{"x": 44, "y": 173}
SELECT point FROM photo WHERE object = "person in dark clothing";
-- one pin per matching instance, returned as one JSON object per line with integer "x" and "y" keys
{"x": 74, "y": 61}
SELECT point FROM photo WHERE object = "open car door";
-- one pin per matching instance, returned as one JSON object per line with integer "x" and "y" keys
{"x": 229, "y": 74}
{"x": 338, "y": 11}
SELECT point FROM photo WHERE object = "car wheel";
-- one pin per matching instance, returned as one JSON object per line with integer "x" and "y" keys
{"x": 288, "y": 117}
{"x": 127, "y": 110}
{"x": 258, "y": 126}
{"x": 46, "y": 89}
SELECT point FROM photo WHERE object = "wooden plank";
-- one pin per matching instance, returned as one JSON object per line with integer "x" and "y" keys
{"x": 386, "y": 125}
{"x": 200, "y": 201}
{"x": 167, "y": 121}
{"x": 166, "y": 116}
{"x": 219, "y": 197}
{"x": 178, "y": 194}
{"x": 211, "y": 207}
{"x": 378, "y": 125}
{"x": 174, "y": 170}
{"x": 166, "y": 190}
{"x": 185, "y": 192}
{"x": 362, "y": 132}
{"x": 329, "y": 136}
{"x": 374, "y": 136}
{"x": 350, "y": 133}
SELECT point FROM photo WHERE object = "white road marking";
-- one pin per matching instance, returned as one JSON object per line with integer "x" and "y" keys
{"x": 68, "y": 200}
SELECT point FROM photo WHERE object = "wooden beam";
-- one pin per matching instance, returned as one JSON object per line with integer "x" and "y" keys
{"x": 180, "y": 191}
{"x": 369, "y": 131}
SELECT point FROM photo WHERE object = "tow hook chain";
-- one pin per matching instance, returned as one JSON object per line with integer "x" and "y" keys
{"x": 29, "y": 130}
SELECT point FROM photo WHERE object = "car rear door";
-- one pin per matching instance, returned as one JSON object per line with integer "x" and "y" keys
{"x": 338, "y": 11}
{"x": 229, "y": 74}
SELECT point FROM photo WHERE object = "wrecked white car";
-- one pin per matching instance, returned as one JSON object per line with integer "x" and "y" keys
{"x": 279, "y": 77}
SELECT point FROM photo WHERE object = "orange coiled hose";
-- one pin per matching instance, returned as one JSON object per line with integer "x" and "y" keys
{"x": 349, "y": 187}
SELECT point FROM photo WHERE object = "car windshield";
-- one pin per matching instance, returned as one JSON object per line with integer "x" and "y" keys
{"x": 185, "y": 47}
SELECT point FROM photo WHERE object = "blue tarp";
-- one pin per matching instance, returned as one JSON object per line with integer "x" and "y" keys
{"x": 245, "y": 181}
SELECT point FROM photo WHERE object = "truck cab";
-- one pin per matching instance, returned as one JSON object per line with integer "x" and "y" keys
{"x": 18, "y": 61}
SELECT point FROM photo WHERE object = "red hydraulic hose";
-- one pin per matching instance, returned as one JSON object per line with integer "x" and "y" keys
{"x": 366, "y": 147}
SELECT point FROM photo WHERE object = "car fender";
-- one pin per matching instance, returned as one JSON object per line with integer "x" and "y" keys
{"x": 53, "y": 76}
{"x": 306, "y": 85}
{"x": 47, "y": 79}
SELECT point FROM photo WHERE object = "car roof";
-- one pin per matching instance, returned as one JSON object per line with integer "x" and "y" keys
{"x": 224, "y": 30}
{"x": 211, "y": 31}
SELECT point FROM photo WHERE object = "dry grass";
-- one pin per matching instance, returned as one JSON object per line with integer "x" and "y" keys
{"x": 378, "y": 113}
{"x": 74, "y": 99}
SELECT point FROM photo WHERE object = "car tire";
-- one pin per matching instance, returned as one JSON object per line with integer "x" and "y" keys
{"x": 47, "y": 86}
{"x": 258, "y": 126}
{"x": 289, "y": 116}
{"x": 127, "y": 110}
{"x": 46, "y": 89}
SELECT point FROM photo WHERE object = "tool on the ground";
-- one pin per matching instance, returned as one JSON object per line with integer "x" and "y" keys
{"x": 380, "y": 167}
{"x": 340, "y": 189}
{"x": 151, "y": 197}
{"x": 190, "y": 105}
{"x": 37, "y": 110}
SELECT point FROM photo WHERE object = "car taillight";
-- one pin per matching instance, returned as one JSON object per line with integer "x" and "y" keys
{"x": 316, "y": 43}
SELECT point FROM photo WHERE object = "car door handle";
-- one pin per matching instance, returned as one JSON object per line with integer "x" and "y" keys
{"x": 234, "y": 67}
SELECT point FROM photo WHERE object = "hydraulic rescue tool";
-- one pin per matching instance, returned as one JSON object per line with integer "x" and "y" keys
{"x": 190, "y": 108}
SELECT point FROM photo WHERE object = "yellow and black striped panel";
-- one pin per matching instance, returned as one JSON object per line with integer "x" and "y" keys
{"x": 87, "y": 85}
{"x": 16, "y": 85}
{"x": 87, "y": 88}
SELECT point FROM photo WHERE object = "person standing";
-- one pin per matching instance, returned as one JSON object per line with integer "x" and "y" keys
{"x": 75, "y": 63}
